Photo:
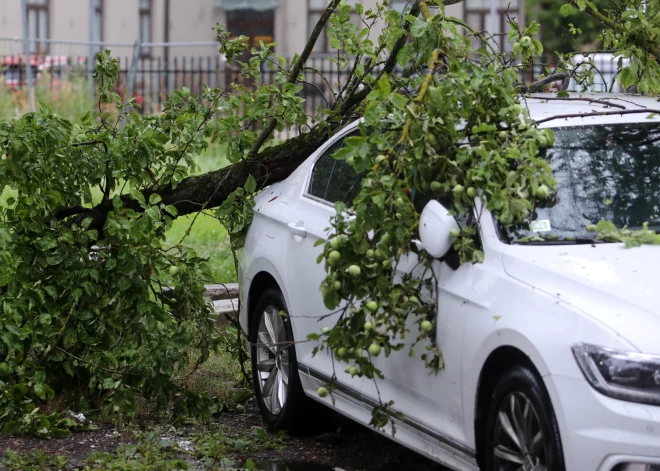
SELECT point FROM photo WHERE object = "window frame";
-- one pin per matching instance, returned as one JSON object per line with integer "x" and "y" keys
{"x": 39, "y": 47}
{"x": 149, "y": 13}
{"x": 324, "y": 34}
{"x": 99, "y": 11}
{"x": 503, "y": 20}
{"x": 322, "y": 153}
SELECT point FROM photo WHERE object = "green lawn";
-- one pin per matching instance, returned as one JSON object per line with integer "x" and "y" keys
{"x": 208, "y": 237}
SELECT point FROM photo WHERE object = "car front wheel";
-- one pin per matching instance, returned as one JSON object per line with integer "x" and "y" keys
{"x": 522, "y": 431}
{"x": 277, "y": 385}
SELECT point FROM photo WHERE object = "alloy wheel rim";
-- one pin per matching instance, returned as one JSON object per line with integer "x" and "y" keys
{"x": 519, "y": 443}
{"x": 272, "y": 360}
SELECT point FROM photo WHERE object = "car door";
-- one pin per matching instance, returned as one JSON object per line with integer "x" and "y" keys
{"x": 329, "y": 181}
{"x": 431, "y": 402}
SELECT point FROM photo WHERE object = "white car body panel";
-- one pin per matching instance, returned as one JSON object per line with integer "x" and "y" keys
{"x": 538, "y": 300}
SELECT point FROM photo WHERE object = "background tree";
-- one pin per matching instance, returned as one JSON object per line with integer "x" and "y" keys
{"x": 555, "y": 30}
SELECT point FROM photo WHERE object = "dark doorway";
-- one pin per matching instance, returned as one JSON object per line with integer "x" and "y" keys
{"x": 256, "y": 25}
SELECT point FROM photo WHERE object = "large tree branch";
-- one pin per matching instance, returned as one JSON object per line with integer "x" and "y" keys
{"x": 541, "y": 84}
{"x": 211, "y": 189}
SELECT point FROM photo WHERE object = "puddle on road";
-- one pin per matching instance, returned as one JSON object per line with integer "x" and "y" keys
{"x": 276, "y": 466}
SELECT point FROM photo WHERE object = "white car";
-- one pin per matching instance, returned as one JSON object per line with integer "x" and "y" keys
{"x": 552, "y": 348}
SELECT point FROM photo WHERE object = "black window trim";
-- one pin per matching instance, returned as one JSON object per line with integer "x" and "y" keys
{"x": 331, "y": 142}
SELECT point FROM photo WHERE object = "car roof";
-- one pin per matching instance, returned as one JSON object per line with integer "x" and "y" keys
{"x": 547, "y": 105}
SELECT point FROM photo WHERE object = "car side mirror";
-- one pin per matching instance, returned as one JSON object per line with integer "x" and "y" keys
{"x": 435, "y": 228}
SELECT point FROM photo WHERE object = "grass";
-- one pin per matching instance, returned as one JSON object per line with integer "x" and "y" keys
{"x": 67, "y": 98}
{"x": 207, "y": 237}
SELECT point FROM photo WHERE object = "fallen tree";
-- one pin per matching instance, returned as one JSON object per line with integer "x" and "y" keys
{"x": 83, "y": 263}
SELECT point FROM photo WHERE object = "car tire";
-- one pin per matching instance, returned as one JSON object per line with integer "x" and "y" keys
{"x": 521, "y": 428}
{"x": 282, "y": 401}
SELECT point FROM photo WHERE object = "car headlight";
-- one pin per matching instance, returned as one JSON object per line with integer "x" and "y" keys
{"x": 628, "y": 376}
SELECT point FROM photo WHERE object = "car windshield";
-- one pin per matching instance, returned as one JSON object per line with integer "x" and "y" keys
{"x": 604, "y": 172}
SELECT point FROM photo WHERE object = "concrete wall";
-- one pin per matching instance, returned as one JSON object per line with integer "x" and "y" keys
{"x": 190, "y": 20}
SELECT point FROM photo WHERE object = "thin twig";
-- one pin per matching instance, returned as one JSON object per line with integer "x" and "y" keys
{"x": 295, "y": 72}
{"x": 596, "y": 113}
{"x": 590, "y": 100}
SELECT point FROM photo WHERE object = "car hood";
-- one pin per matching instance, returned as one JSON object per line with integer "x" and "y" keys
{"x": 614, "y": 285}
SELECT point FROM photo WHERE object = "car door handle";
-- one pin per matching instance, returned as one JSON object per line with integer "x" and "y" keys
{"x": 297, "y": 230}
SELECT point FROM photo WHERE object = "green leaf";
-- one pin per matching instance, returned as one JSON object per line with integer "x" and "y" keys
{"x": 155, "y": 198}
{"x": 383, "y": 85}
{"x": 562, "y": 94}
{"x": 250, "y": 185}
{"x": 137, "y": 196}
{"x": 606, "y": 226}
{"x": 109, "y": 383}
{"x": 419, "y": 28}
{"x": 566, "y": 9}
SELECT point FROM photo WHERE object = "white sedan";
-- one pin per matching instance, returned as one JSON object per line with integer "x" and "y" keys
{"x": 551, "y": 345}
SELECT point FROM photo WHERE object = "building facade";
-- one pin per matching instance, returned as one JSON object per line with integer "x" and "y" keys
{"x": 123, "y": 22}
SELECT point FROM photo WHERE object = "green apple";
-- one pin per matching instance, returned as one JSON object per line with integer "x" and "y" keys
{"x": 472, "y": 192}
{"x": 372, "y": 305}
{"x": 374, "y": 349}
{"x": 368, "y": 326}
{"x": 458, "y": 189}
{"x": 426, "y": 326}
{"x": 352, "y": 370}
{"x": 325, "y": 330}
{"x": 174, "y": 270}
{"x": 542, "y": 192}
{"x": 334, "y": 257}
{"x": 323, "y": 392}
{"x": 342, "y": 352}
{"x": 354, "y": 270}
{"x": 436, "y": 187}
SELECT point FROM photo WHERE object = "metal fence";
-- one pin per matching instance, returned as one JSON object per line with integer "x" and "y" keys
{"x": 150, "y": 71}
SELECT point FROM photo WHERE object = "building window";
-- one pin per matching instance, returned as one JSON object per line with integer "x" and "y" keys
{"x": 478, "y": 17}
{"x": 37, "y": 13}
{"x": 146, "y": 22}
{"x": 315, "y": 9}
{"x": 98, "y": 22}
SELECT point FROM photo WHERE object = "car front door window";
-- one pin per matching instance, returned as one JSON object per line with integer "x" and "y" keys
{"x": 334, "y": 180}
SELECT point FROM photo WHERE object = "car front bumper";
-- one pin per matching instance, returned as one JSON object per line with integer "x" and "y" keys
{"x": 604, "y": 434}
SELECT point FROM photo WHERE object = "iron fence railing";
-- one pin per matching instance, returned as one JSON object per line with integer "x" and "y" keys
{"x": 150, "y": 71}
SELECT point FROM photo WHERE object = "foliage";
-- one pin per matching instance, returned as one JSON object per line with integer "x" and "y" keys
{"x": 631, "y": 34}
{"x": 83, "y": 312}
{"x": 463, "y": 133}
{"x": 608, "y": 232}
{"x": 557, "y": 32}
{"x": 158, "y": 450}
